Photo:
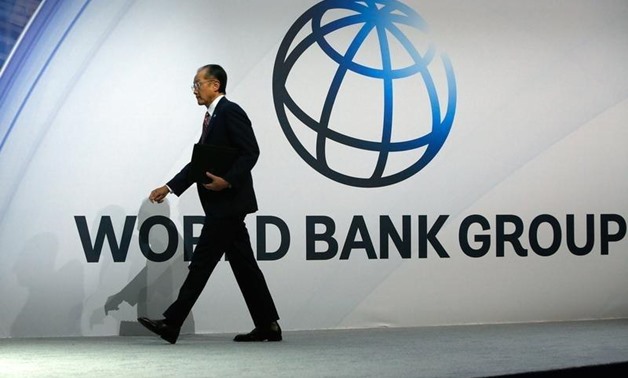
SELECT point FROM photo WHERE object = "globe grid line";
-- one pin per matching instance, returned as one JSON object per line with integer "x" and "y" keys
{"x": 383, "y": 21}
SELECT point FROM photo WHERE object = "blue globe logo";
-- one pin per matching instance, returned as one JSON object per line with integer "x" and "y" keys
{"x": 361, "y": 92}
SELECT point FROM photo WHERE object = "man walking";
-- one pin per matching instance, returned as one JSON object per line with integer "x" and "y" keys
{"x": 226, "y": 201}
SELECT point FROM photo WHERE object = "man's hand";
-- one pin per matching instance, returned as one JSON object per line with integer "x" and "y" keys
{"x": 217, "y": 184}
{"x": 158, "y": 195}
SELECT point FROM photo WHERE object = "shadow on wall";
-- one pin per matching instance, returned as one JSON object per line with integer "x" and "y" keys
{"x": 156, "y": 286}
{"x": 55, "y": 296}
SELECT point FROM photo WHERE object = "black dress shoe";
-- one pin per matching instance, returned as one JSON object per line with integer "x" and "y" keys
{"x": 167, "y": 332}
{"x": 270, "y": 333}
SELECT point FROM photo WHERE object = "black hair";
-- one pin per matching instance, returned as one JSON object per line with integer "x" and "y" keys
{"x": 216, "y": 72}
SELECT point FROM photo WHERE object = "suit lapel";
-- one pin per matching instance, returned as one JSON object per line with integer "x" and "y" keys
{"x": 215, "y": 117}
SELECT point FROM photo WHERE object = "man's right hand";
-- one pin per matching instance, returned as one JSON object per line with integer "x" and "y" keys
{"x": 158, "y": 195}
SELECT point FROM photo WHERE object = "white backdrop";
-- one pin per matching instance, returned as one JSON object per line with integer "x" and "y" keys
{"x": 100, "y": 112}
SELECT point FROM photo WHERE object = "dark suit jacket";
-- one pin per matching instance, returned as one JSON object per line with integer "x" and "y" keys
{"x": 229, "y": 126}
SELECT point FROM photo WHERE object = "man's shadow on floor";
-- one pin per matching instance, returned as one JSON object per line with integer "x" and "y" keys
{"x": 156, "y": 286}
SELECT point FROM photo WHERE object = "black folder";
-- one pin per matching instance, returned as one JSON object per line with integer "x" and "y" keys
{"x": 213, "y": 159}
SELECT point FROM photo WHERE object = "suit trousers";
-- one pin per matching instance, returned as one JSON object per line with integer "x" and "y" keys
{"x": 221, "y": 236}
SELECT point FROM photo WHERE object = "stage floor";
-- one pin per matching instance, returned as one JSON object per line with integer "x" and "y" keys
{"x": 456, "y": 351}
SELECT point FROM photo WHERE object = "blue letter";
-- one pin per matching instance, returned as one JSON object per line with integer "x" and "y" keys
{"x": 312, "y": 237}
{"x": 388, "y": 230}
{"x": 170, "y": 248}
{"x": 358, "y": 224}
{"x": 605, "y": 219}
{"x": 105, "y": 229}
{"x": 284, "y": 236}
{"x": 484, "y": 240}
{"x": 426, "y": 235}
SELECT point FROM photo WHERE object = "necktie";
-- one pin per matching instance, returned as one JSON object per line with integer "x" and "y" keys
{"x": 205, "y": 126}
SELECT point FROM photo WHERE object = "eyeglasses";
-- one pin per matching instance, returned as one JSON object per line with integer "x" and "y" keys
{"x": 197, "y": 85}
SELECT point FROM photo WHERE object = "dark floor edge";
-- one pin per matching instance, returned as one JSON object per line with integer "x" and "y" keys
{"x": 617, "y": 369}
